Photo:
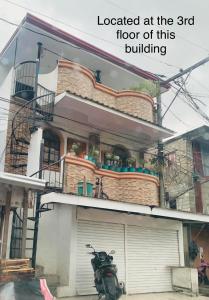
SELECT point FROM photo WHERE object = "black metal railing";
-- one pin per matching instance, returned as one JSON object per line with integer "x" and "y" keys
{"x": 45, "y": 102}
{"x": 53, "y": 174}
{"x": 24, "y": 80}
{"x": 38, "y": 107}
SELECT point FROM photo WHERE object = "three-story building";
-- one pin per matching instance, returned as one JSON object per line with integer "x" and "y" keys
{"x": 75, "y": 121}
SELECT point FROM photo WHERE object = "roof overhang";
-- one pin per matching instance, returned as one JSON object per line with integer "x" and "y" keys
{"x": 108, "y": 119}
{"x": 69, "y": 38}
{"x": 156, "y": 212}
{"x": 200, "y": 134}
{"x": 22, "y": 181}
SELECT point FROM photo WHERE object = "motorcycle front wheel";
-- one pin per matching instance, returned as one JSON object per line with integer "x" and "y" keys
{"x": 110, "y": 288}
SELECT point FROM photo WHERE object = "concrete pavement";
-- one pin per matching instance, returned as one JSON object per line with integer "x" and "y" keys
{"x": 153, "y": 296}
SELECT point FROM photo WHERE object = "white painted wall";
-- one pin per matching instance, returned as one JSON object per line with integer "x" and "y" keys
{"x": 9, "y": 235}
{"x": 58, "y": 238}
{"x": 49, "y": 80}
{"x": 48, "y": 241}
{"x": 55, "y": 245}
{"x": 5, "y": 92}
{"x": 34, "y": 152}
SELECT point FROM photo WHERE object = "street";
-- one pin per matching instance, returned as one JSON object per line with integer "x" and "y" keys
{"x": 155, "y": 296}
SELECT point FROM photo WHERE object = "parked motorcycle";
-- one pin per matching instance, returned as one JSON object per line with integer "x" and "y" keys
{"x": 105, "y": 275}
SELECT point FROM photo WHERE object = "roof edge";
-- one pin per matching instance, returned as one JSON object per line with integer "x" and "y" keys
{"x": 33, "y": 20}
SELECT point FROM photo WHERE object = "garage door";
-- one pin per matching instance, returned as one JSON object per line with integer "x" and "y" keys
{"x": 104, "y": 237}
{"x": 150, "y": 252}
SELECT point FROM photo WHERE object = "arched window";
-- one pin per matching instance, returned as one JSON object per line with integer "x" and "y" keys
{"x": 51, "y": 147}
{"x": 122, "y": 152}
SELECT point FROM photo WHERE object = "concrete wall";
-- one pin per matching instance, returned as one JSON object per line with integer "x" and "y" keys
{"x": 205, "y": 197}
{"x": 58, "y": 238}
{"x": 186, "y": 280}
{"x": 34, "y": 150}
{"x": 49, "y": 80}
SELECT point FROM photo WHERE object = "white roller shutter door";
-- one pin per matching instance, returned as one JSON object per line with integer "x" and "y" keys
{"x": 150, "y": 252}
{"x": 104, "y": 237}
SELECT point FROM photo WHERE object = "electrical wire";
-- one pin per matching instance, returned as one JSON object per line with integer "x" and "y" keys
{"x": 69, "y": 44}
{"x": 89, "y": 125}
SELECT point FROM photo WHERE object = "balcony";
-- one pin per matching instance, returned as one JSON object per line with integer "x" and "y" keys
{"x": 78, "y": 176}
{"x": 79, "y": 80}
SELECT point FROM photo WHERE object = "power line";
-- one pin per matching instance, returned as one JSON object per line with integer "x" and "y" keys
{"x": 116, "y": 45}
{"x": 81, "y": 123}
{"x": 175, "y": 116}
{"x": 178, "y": 91}
{"x": 192, "y": 104}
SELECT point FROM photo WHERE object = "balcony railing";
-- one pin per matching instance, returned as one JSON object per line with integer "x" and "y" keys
{"x": 24, "y": 80}
{"x": 52, "y": 174}
{"x": 78, "y": 176}
{"x": 24, "y": 87}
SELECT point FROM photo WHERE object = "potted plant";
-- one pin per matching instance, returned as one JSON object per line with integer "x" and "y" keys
{"x": 116, "y": 162}
{"x": 93, "y": 154}
{"x": 147, "y": 86}
{"x": 147, "y": 166}
{"x": 140, "y": 165}
{"x": 76, "y": 148}
{"x": 108, "y": 158}
{"x": 131, "y": 162}
{"x": 124, "y": 169}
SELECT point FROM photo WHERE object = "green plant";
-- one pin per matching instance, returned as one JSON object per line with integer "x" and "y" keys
{"x": 147, "y": 86}
{"x": 94, "y": 152}
{"x": 131, "y": 161}
{"x": 141, "y": 162}
{"x": 108, "y": 155}
{"x": 157, "y": 164}
{"x": 116, "y": 157}
{"x": 76, "y": 147}
{"x": 116, "y": 160}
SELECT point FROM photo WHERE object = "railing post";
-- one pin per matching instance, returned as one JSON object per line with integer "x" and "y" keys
{"x": 24, "y": 224}
{"x": 36, "y": 85}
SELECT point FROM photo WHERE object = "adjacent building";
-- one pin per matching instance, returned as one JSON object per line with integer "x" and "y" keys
{"x": 187, "y": 183}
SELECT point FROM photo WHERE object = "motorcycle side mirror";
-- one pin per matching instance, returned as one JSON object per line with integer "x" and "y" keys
{"x": 88, "y": 246}
{"x": 112, "y": 252}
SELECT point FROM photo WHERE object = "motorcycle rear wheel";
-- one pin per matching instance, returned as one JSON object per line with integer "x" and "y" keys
{"x": 110, "y": 288}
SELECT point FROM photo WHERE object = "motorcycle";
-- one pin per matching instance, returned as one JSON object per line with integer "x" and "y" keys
{"x": 105, "y": 275}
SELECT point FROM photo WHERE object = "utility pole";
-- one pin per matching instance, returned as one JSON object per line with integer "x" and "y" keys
{"x": 183, "y": 72}
{"x": 160, "y": 148}
{"x": 160, "y": 153}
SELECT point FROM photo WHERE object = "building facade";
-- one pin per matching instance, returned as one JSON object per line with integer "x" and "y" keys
{"x": 75, "y": 121}
{"x": 186, "y": 183}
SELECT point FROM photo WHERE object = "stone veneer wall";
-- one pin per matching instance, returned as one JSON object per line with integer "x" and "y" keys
{"x": 134, "y": 187}
{"x": 77, "y": 79}
{"x": 178, "y": 178}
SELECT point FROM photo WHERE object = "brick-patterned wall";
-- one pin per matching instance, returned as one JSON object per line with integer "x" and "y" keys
{"x": 125, "y": 187}
{"x": 79, "y": 80}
